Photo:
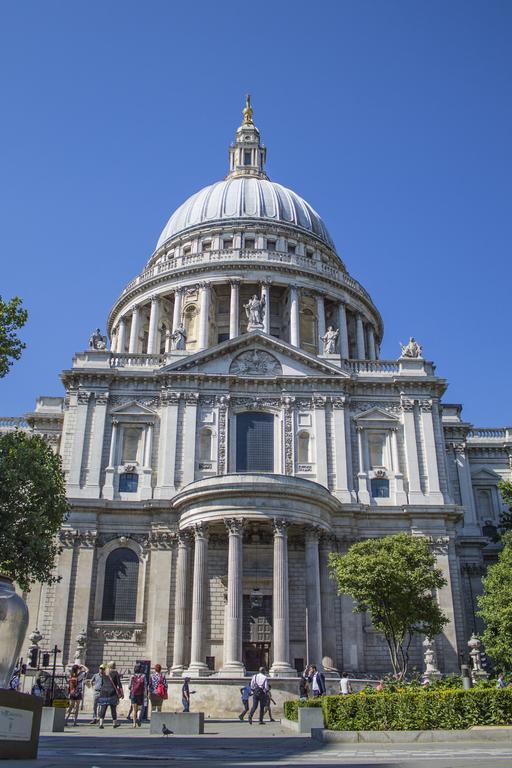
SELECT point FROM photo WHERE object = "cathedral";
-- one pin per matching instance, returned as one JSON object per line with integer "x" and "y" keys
{"x": 235, "y": 426}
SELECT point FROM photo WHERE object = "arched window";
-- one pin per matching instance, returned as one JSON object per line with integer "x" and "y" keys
{"x": 303, "y": 447}
{"x": 255, "y": 442}
{"x": 190, "y": 317}
{"x": 120, "y": 586}
{"x": 128, "y": 482}
{"x": 205, "y": 445}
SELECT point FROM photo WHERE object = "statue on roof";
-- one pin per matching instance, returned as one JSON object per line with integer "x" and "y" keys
{"x": 411, "y": 349}
{"x": 329, "y": 340}
{"x": 247, "y": 110}
{"x": 97, "y": 341}
{"x": 179, "y": 338}
{"x": 255, "y": 311}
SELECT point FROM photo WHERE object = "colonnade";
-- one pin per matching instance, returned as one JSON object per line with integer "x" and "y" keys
{"x": 365, "y": 342}
{"x": 320, "y": 622}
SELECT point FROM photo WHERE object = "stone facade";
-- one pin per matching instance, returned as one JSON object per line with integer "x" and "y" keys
{"x": 226, "y": 561}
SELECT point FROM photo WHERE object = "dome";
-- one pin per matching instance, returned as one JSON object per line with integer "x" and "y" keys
{"x": 248, "y": 198}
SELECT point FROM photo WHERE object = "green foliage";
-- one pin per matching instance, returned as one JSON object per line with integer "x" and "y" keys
{"x": 291, "y": 710}
{"x": 394, "y": 579}
{"x": 505, "y": 487}
{"x": 417, "y": 710}
{"x": 12, "y": 318}
{"x": 495, "y": 606}
{"x": 33, "y": 507}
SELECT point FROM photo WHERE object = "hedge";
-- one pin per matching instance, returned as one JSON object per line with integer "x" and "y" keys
{"x": 411, "y": 710}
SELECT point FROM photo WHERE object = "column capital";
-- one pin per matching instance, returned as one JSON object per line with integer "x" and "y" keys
{"x": 267, "y": 282}
{"x": 338, "y": 402}
{"x": 170, "y": 398}
{"x": 135, "y": 308}
{"x": 328, "y": 541}
{"x": 203, "y": 285}
{"x": 200, "y": 531}
{"x": 235, "y": 281}
{"x": 155, "y": 298}
{"x": 279, "y": 526}
{"x": 287, "y": 402}
{"x": 234, "y": 525}
{"x": 83, "y": 397}
{"x": 179, "y": 290}
{"x": 319, "y": 401}
{"x": 406, "y": 404}
{"x": 425, "y": 406}
{"x": 312, "y": 532}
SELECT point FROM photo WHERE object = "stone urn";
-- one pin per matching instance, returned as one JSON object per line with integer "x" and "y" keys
{"x": 13, "y": 626}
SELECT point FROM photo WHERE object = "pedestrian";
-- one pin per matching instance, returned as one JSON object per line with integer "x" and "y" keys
{"x": 345, "y": 686}
{"x": 246, "y": 694}
{"x": 75, "y": 691}
{"x": 137, "y": 692}
{"x": 268, "y": 701}
{"x": 185, "y": 694}
{"x": 96, "y": 682}
{"x": 109, "y": 695}
{"x": 157, "y": 689}
{"x": 15, "y": 681}
{"x": 259, "y": 688}
{"x": 317, "y": 682}
{"x": 39, "y": 689}
{"x": 500, "y": 682}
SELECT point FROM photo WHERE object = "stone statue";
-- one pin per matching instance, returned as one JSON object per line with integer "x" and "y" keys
{"x": 247, "y": 111}
{"x": 81, "y": 647}
{"x": 255, "y": 311}
{"x": 431, "y": 670}
{"x": 97, "y": 341}
{"x": 179, "y": 338}
{"x": 411, "y": 349}
{"x": 329, "y": 340}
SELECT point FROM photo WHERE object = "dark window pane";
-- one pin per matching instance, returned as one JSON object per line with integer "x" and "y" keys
{"x": 222, "y": 337}
{"x": 128, "y": 482}
{"x": 380, "y": 488}
{"x": 120, "y": 588}
{"x": 247, "y": 157}
{"x": 255, "y": 442}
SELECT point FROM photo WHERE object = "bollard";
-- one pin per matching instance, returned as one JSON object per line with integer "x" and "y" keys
{"x": 466, "y": 679}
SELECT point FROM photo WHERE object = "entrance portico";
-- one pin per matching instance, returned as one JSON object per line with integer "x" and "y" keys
{"x": 267, "y": 510}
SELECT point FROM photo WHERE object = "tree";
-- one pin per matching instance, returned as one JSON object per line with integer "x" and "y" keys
{"x": 33, "y": 506}
{"x": 495, "y": 606}
{"x": 505, "y": 487}
{"x": 12, "y": 318}
{"x": 394, "y": 579}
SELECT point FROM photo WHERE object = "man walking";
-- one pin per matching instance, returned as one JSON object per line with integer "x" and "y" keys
{"x": 185, "y": 694}
{"x": 260, "y": 689}
{"x": 317, "y": 682}
{"x": 96, "y": 682}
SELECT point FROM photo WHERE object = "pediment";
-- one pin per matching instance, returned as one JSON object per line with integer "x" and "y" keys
{"x": 255, "y": 355}
{"x": 485, "y": 475}
{"x": 132, "y": 409}
{"x": 376, "y": 417}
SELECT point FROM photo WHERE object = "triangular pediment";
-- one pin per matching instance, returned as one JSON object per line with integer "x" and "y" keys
{"x": 486, "y": 475}
{"x": 376, "y": 416}
{"x": 132, "y": 408}
{"x": 255, "y": 355}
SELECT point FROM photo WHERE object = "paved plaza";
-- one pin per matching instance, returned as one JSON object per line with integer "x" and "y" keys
{"x": 230, "y": 743}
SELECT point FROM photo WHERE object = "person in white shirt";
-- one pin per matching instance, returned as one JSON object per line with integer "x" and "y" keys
{"x": 260, "y": 689}
{"x": 345, "y": 686}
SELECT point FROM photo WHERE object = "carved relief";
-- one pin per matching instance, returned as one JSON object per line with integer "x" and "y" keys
{"x": 222, "y": 441}
{"x": 256, "y": 362}
{"x": 256, "y": 403}
{"x": 288, "y": 435}
{"x": 170, "y": 398}
{"x": 235, "y": 525}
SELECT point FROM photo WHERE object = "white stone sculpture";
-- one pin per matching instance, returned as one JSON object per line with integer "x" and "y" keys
{"x": 429, "y": 658}
{"x": 97, "y": 340}
{"x": 475, "y": 653}
{"x": 411, "y": 349}
{"x": 255, "y": 311}
{"x": 179, "y": 338}
{"x": 81, "y": 646}
{"x": 329, "y": 339}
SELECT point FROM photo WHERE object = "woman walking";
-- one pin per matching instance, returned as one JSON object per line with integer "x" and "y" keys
{"x": 109, "y": 695}
{"x": 157, "y": 689}
{"x": 75, "y": 691}
{"x": 137, "y": 693}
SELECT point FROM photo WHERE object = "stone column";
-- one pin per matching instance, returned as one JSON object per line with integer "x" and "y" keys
{"x": 294, "y": 317}
{"x": 362, "y": 475}
{"x": 320, "y": 316}
{"x": 372, "y": 354}
{"x": 121, "y": 336}
{"x": 145, "y": 488}
{"x": 448, "y": 597}
{"x": 234, "y": 309}
{"x": 96, "y": 446}
{"x": 313, "y": 611}
{"x": 400, "y": 496}
{"x": 342, "y": 320}
{"x": 178, "y": 303}
{"x": 198, "y": 666}
{"x": 281, "y": 613}
{"x": 133, "y": 344}
{"x": 411, "y": 453}
{"x": 429, "y": 443}
{"x": 204, "y": 313}
{"x": 327, "y": 605}
{"x": 341, "y": 458}
{"x": 162, "y": 545}
{"x": 108, "y": 488}
{"x": 471, "y": 526}
{"x": 233, "y": 664}
{"x": 360, "y": 337}
{"x": 86, "y": 541}
{"x": 153, "y": 335}
{"x": 167, "y": 444}
{"x": 68, "y": 542}
{"x": 189, "y": 437}
{"x": 320, "y": 440}
{"x": 265, "y": 293}
{"x": 77, "y": 451}
{"x": 180, "y": 604}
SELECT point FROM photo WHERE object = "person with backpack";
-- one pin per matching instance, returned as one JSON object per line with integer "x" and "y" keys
{"x": 260, "y": 689}
{"x": 75, "y": 691}
{"x": 157, "y": 689}
{"x": 137, "y": 692}
{"x": 110, "y": 692}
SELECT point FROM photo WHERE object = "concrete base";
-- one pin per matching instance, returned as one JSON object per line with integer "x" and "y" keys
{"x": 52, "y": 719}
{"x": 20, "y": 718}
{"x": 480, "y": 733}
{"x": 309, "y": 718}
{"x": 180, "y": 723}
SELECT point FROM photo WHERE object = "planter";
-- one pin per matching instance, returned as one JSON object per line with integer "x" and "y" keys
{"x": 13, "y": 627}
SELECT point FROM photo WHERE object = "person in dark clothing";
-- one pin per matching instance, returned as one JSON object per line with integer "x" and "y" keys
{"x": 109, "y": 695}
{"x": 259, "y": 687}
{"x": 185, "y": 694}
{"x": 246, "y": 694}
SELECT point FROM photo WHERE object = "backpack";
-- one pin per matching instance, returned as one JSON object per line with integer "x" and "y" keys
{"x": 138, "y": 685}
{"x": 161, "y": 688}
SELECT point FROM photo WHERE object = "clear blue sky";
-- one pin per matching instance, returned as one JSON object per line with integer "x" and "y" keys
{"x": 393, "y": 118}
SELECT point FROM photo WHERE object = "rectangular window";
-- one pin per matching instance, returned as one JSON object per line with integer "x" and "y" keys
{"x": 207, "y": 246}
{"x": 222, "y": 337}
{"x": 291, "y": 248}
{"x": 187, "y": 249}
{"x": 376, "y": 446}
{"x": 247, "y": 157}
{"x": 380, "y": 488}
{"x": 255, "y": 442}
{"x": 227, "y": 243}
{"x": 249, "y": 243}
{"x": 210, "y": 663}
{"x": 128, "y": 482}
{"x": 131, "y": 440}
{"x": 271, "y": 245}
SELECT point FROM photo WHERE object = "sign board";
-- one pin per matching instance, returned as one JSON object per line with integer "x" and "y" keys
{"x": 15, "y": 724}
